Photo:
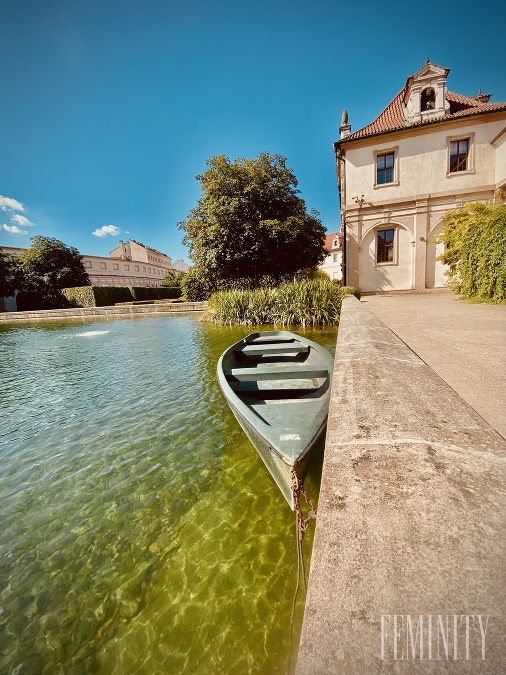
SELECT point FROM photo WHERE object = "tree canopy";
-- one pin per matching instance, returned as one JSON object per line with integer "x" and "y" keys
{"x": 49, "y": 265}
{"x": 250, "y": 223}
{"x": 6, "y": 275}
{"x": 475, "y": 238}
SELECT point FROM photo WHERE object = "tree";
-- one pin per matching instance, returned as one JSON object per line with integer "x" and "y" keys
{"x": 49, "y": 265}
{"x": 249, "y": 223}
{"x": 6, "y": 275}
{"x": 173, "y": 278}
{"x": 475, "y": 238}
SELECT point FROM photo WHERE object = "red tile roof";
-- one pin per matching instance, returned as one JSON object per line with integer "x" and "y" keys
{"x": 392, "y": 117}
{"x": 329, "y": 241}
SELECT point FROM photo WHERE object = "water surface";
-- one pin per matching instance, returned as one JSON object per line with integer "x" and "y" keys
{"x": 141, "y": 533}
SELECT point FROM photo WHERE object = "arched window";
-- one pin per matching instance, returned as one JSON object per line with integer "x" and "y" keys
{"x": 428, "y": 101}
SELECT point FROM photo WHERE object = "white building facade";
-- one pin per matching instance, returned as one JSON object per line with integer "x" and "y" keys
{"x": 130, "y": 264}
{"x": 333, "y": 263}
{"x": 429, "y": 151}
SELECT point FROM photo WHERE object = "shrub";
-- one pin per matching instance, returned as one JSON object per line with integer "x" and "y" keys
{"x": 475, "y": 238}
{"x": 314, "y": 302}
{"x": 156, "y": 293}
{"x": 80, "y": 296}
{"x": 94, "y": 296}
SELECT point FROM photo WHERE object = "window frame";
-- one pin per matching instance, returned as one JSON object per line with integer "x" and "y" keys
{"x": 469, "y": 137}
{"x": 394, "y": 245}
{"x": 395, "y": 169}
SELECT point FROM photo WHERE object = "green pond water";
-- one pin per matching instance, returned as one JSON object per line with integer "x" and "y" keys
{"x": 140, "y": 531}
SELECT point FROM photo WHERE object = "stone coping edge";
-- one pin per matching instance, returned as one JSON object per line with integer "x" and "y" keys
{"x": 80, "y": 312}
{"x": 408, "y": 570}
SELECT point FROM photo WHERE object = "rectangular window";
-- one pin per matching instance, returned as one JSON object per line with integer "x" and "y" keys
{"x": 115, "y": 266}
{"x": 459, "y": 151}
{"x": 335, "y": 257}
{"x": 385, "y": 168}
{"x": 103, "y": 266}
{"x": 385, "y": 246}
{"x": 87, "y": 263}
{"x": 136, "y": 268}
{"x": 127, "y": 268}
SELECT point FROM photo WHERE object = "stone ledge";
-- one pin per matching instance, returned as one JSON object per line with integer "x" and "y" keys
{"x": 411, "y": 518}
{"x": 91, "y": 312}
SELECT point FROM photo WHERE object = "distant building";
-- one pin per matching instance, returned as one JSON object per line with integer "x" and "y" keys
{"x": 180, "y": 266}
{"x": 429, "y": 151}
{"x": 130, "y": 264}
{"x": 333, "y": 263}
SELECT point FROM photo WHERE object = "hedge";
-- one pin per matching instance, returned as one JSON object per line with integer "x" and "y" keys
{"x": 102, "y": 296}
{"x": 156, "y": 293}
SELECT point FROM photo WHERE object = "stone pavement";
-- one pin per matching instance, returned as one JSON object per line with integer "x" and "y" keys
{"x": 464, "y": 343}
{"x": 408, "y": 571}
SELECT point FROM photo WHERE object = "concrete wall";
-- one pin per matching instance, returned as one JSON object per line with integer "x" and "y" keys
{"x": 411, "y": 520}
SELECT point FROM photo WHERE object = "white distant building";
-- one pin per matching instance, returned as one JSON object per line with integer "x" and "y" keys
{"x": 130, "y": 264}
{"x": 429, "y": 151}
{"x": 333, "y": 263}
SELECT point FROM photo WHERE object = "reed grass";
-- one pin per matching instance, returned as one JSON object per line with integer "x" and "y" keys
{"x": 307, "y": 302}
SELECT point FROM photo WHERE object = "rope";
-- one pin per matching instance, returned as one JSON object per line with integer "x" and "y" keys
{"x": 301, "y": 525}
{"x": 298, "y": 489}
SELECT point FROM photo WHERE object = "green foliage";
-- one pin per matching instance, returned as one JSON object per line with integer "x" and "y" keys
{"x": 475, "y": 238}
{"x": 155, "y": 293}
{"x": 80, "y": 296}
{"x": 174, "y": 278}
{"x": 7, "y": 267}
{"x": 102, "y": 296}
{"x": 94, "y": 296}
{"x": 47, "y": 266}
{"x": 312, "y": 302}
{"x": 249, "y": 223}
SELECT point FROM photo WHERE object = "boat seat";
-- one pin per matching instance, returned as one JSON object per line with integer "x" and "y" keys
{"x": 260, "y": 349}
{"x": 288, "y": 372}
{"x": 252, "y": 386}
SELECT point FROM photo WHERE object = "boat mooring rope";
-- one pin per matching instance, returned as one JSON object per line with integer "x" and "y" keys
{"x": 301, "y": 525}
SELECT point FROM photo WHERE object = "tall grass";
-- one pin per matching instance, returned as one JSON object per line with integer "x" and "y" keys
{"x": 309, "y": 302}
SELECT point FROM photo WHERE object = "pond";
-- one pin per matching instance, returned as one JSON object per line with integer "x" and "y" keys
{"x": 141, "y": 532}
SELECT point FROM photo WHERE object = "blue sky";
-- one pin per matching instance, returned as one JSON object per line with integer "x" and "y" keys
{"x": 111, "y": 107}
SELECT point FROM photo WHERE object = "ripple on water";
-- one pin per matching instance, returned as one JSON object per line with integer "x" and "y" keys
{"x": 140, "y": 531}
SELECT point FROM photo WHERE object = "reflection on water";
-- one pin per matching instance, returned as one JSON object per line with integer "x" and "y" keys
{"x": 140, "y": 531}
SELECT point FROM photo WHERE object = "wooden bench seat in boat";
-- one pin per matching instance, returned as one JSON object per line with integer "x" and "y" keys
{"x": 281, "y": 372}
{"x": 268, "y": 349}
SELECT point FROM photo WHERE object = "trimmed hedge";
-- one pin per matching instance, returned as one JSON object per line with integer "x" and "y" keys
{"x": 95, "y": 296}
{"x": 156, "y": 293}
{"x": 102, "y": 296}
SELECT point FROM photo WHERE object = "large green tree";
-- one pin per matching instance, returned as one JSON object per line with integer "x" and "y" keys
{"x": 249, "y": 223}
{"x": 49, "y": 265}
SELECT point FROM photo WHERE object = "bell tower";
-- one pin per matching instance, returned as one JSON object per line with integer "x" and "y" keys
{"x": 424, "y": 97}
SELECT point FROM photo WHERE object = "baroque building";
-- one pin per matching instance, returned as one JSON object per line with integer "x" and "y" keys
{"x": 430, "y": 150}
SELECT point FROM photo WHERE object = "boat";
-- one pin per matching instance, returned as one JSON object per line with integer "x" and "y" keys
{"x": 277, "y": 384}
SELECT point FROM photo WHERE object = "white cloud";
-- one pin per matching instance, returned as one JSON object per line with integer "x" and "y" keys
{"x": 107, "y": 229}
{"x": 21, "y": 220}
{"x": 13, "y": 229}
{"x": 6, "y": 203}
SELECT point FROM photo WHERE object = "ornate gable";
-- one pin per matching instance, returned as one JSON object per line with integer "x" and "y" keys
{"x": 425, "y": 94}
